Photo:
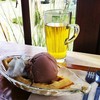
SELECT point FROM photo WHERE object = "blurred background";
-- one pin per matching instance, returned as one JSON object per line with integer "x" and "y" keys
{"x": 11, "y": 24}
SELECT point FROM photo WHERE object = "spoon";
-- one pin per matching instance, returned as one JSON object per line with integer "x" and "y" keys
{"x": 97, "y": 79}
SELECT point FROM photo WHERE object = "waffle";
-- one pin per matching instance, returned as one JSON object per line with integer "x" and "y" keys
{"x": 60, "y": 83}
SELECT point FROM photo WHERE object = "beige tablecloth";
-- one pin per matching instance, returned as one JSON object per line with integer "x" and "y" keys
{"x": 77, "y": 96}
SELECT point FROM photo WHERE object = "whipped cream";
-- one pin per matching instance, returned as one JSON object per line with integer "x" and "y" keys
{"x": 16, "y": 67}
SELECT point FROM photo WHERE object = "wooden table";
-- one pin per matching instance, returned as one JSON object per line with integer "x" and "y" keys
{"x": 10, "y": 92}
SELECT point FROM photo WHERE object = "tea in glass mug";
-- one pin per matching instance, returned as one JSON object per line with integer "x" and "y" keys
{"x": 57, "y": 32}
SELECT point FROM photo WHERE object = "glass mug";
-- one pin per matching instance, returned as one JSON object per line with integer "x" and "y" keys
{"x": 57, "y": 32}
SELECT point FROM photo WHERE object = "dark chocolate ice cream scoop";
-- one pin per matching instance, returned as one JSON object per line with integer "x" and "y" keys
{"x": 42, "y": 68}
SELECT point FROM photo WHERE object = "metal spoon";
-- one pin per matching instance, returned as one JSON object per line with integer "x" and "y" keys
{"x": 97, "y": 79}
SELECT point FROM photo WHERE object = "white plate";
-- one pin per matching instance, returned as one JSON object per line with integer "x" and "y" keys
{"x": 79, "y": 84}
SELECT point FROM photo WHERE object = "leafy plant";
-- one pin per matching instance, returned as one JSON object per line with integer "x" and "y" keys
{"x": 37, "y": 36}
{"x": 17, "y": 20}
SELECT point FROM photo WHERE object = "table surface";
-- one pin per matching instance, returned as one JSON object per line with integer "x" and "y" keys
{"x": 10, "y": 92}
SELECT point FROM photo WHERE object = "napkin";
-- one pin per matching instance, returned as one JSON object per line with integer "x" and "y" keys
{"x": 14, "y": 67}
{"x": 76, "y": 96}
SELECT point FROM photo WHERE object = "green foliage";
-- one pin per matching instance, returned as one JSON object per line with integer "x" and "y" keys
{"x": 2, "y": 0}
{"x": 37, "y": 17}
{"x": 38, "y": 29}
{"x": 17, "y": 20}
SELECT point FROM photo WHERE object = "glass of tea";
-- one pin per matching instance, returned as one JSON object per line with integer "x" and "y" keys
{"x": 58, "y": 31}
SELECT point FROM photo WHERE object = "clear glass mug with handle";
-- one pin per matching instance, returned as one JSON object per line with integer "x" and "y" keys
{"x": 58, "y": 31}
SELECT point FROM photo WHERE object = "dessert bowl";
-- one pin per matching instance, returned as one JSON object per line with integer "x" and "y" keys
{"x": 77, "y": 85}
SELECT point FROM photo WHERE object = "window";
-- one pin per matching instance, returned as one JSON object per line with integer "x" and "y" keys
{"x": 11, "y": 24}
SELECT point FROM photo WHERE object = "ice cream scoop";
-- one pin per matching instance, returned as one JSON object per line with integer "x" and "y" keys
{"x": 42, "y": 68}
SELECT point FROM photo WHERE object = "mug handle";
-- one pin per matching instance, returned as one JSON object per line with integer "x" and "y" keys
{"x": 76, "y": 33}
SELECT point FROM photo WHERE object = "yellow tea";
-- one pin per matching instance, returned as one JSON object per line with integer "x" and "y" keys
{"x": 55, "y": 34}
